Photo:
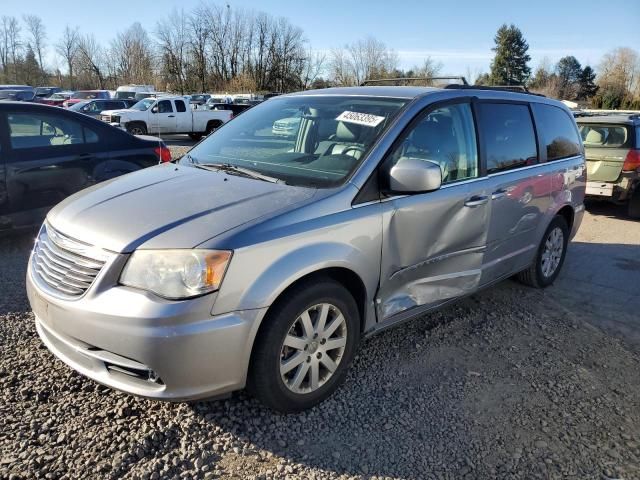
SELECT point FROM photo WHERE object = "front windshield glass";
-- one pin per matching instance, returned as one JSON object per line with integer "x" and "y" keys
{"x": 302, "y": 140}
{"x": 84, "y": 95}
{"x": 144, "y": 104}
{"x": 124, "y": 95}
{"x": 78, "y": 106}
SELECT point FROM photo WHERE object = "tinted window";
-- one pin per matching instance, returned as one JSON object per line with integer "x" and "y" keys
{"x": 445, "y": 136}
{"x": 90, "y": 136}
{"x": 508, "y": 135}
{"x": 558, "y": 132}
{"x": 31, "y": 130}
{"x": 165, "y": 106}
{"x": 180, "y": 106}
{"x": 599, "y": 135}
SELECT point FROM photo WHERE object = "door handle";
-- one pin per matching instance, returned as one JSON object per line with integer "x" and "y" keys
{"x": 476, "y": 201}
{"x": 498, "y": 194}
{"x": 170, "y": 116}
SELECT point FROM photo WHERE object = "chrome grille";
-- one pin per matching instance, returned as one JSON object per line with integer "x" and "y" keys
{"x": 65, "y": 265}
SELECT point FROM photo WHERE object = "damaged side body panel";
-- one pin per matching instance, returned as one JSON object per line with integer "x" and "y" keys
{"x": 432, "y": 249}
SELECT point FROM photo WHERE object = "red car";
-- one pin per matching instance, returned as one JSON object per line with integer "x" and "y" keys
{"x": 82, "y": 95}
{"x": 57, "y": 99}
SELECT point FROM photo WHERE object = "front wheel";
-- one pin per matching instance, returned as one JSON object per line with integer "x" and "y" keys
{"x": 137, "y": 129}
{"x": 550, "y": 256}
{"x": 305, "y": 346}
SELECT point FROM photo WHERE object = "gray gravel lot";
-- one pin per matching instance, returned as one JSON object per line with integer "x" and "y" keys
{"x": 509, "y": 383}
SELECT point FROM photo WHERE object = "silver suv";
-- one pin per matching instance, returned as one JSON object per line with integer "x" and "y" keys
{"x": 262, "y": 260}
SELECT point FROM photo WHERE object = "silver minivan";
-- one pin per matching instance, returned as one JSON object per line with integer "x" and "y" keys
{"x": 262, "y": 260}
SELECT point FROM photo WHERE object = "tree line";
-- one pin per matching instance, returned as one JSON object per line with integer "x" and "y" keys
{"x": 219, "y": 48}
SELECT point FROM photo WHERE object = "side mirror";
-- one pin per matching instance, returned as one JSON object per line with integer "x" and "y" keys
{"x": 414, "y": 175}
{"x": 154, "y": 109}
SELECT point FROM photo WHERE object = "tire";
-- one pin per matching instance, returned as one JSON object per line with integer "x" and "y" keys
{"x": 268, "y": 380}
{"x": 212, "y": 127}
{"x": 137, "y": 129}
{"x": 537, "y": 275}
{"x": 195, "y": 136}
{"x": 633, "y": 209}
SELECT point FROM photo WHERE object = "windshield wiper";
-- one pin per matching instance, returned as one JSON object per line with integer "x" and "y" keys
{"x": 235, "y": 170}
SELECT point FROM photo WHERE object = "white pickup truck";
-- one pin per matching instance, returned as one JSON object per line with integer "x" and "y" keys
{"x": 166, "y": 115}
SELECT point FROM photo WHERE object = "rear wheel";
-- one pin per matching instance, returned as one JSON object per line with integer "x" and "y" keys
{"x": 212, "y": 127}
{"x": 304, "y": 349}
{"x": 550, "y": 256}
{"x": 633, "y": 209}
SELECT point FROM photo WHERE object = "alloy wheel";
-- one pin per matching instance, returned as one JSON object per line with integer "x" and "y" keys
{"x": 552, "y": 253}
{"x": 313, "y": 348}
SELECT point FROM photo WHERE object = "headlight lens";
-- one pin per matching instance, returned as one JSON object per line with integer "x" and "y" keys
{"x": 176, "y": 274}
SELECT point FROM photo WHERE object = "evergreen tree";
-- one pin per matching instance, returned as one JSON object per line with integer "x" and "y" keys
{"x": 30, "y": 67}
{"x": 587, "y": 87}
{"x": 569, "y": 71}
{"x": 509, "y": 66}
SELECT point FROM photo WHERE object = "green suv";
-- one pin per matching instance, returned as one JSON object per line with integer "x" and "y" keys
{"x": 612, "y": 147}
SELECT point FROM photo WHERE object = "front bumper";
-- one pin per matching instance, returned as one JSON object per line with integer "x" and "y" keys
{"x": 141, "y": 344}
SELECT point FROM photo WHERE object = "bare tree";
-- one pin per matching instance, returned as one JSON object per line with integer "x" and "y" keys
{"x": 130, "y": 58}
{"x": 91, "y": 59}
{"x": 13, "y": 43}
{"x": 67, "y": 48}
{"x": 173, "y": 44}
{"x": 314, "y": 66}
{"x": 365, "y": 59}
{"x": 38, "y": 36}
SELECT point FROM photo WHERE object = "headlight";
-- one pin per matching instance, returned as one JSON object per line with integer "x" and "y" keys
{"x": 176, "y": 274}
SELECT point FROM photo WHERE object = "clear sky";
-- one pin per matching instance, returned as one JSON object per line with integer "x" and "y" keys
{"x": 457, "y": 33}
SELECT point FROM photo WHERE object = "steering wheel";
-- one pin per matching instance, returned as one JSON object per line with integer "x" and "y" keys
{"x": 354, "y": 148}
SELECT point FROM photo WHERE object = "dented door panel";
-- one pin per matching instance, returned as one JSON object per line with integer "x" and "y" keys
{"x": 433, "y": 247}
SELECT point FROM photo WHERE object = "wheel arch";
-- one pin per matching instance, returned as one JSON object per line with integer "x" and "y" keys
{"x": 568, "y": 213}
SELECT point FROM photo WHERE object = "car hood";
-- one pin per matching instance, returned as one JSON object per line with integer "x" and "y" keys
{"x": 169, "y": 206}
{"x": 115, "y": 112}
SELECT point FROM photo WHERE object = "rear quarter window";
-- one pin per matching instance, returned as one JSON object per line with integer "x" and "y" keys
{"x": 557, "y": 131}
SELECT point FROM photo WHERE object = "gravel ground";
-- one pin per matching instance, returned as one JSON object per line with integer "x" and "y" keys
{"x": 510, "y": 383}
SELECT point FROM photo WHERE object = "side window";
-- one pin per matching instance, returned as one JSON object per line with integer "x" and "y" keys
{"x": 508, "y": 135}
{"x": 165, "y": 106}
{"x": 445, "y": 136}
{"x": 32, "y": 130}
{"x": 558, "y": 132}
{"x": 180, "y": 106}
{"x": 90, "y": 136}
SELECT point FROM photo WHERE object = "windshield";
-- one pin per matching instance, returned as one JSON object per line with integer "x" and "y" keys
{"x": 43, "y": 92}
{"x": 15, "y": 95}
{"x": 59, "y": 96}
{"x": 121, "y": 95}
{"x": 78, "y": 106}
{"x": 84, "y": 95}
{"x": 302, "y": 140}
{"x": 144, "y": 104}
{"x": 600, "y": 135}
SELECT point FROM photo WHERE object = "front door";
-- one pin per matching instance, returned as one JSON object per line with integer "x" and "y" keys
{"x": 433, "y": 243}
{"x": 163, "y": 117}
{"x": 48, "y": 158}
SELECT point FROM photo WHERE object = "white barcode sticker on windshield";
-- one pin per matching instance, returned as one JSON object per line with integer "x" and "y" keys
{"x": 366, "y": 119}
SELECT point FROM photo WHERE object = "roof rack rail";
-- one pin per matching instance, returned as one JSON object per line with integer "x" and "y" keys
{"x": 500, "y": 88}
{"x": 404, "y": 81}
